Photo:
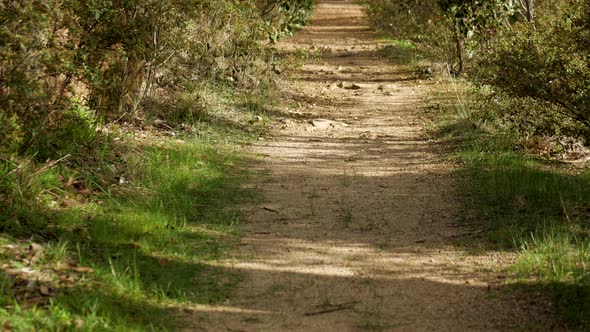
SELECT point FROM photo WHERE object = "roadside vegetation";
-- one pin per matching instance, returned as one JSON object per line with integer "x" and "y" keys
{"x": 518, "y": 74}
{"x": 120, "y": 162}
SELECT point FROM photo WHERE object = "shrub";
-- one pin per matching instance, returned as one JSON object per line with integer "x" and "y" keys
{"x": 114, "y": 56}
{"x": 545, "y": 63}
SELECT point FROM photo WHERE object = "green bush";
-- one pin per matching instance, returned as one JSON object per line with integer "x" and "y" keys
{"x": 118, "y": 56}
{"x": 447, "y": 30}
{"x": 545, "y": 63}
{"x": 531, "y": 64}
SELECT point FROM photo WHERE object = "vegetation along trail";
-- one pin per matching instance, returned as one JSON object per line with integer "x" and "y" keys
{"x": 359, "y": 216}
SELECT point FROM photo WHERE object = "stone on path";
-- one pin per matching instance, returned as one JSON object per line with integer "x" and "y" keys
{"x": 325, "y": 123}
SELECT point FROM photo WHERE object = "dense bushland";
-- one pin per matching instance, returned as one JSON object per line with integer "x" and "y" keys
{"x": 529, "y": 58}
{"x": 521, "y": 73}
{"x": 119, "y": 122}
{"x": 116, "y": 57}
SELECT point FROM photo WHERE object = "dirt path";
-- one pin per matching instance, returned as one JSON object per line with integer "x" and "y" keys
{"x": 356, "y": 229}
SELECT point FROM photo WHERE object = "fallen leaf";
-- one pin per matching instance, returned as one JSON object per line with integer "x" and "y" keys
{"x": 164, "y": 261}
{"x": 82, "y": 269}
{"x": 44, "y": 290}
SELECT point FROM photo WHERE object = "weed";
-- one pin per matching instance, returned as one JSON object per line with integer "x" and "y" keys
{"x": 57, "y": 252}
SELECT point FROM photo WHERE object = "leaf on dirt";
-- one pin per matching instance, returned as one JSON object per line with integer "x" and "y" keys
{"x": 44, "y": 290}
{"x": 164, "y": 261}
{"x": 85, "y": 192}
{"x": 75, "y": 268}
{"x": 82, "y": 269}
{"x": 70, "y": 182}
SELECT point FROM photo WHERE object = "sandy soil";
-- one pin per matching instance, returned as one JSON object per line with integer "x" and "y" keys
{"x": 360, "y": 212}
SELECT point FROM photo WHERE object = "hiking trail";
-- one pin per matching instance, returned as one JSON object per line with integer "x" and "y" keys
{"x": 360, "y": 209}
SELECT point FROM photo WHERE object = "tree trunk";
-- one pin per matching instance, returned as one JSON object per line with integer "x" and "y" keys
{"x": 530, "y": 10}
{"x": 460, "y": 58}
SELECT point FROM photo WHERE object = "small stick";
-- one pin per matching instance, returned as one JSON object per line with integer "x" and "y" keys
{"x": 270, "y": 210}
{"x": 334, "y": 308}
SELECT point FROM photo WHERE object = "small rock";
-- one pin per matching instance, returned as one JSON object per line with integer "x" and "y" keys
{"x": 325, "y": 123}
{"x": 321, "y": 123}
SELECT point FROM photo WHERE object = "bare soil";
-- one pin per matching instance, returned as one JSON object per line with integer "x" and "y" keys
{"x": 360, "y": 216}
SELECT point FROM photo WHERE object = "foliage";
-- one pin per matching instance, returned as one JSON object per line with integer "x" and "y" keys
{"x": 546, "y": 63}
{"x": 532, "y": 68}
{"x": 416, "y": 21}
{"x": 448, "y": 30}
{"x": 115, "y": 56}
{"x": 285, "y": 15}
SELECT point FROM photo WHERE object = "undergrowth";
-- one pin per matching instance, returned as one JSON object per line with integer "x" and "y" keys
{"x": 527, "y": 202}
{"x": 119, "y": 228}
{"x": 126, "y": 257}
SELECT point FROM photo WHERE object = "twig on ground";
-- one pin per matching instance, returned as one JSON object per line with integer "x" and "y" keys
{"x": 332, "y": 308}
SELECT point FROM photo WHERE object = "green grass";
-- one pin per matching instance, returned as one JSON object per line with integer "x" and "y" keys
{"x": 529, "y": 205}
{"x": 146, "y": 242}
{"x": 399, "y": 51}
